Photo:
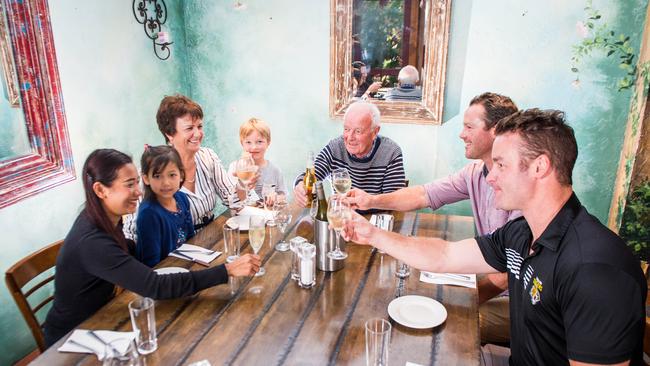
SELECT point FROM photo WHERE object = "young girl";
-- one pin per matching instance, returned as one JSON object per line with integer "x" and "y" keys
{"x": 164, "y": 221}
{"x": 255, "y": 138}
{"x": 95, "y": 256}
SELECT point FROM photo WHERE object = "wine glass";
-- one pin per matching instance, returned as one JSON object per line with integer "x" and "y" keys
{"x": 245, "y": 169}
{"x": 268, "y": 195}
{"x": 338, "y": 212}
{"x": 256, "y": 232}
{"x": 282, "y": 219}
{"x": 341, "y": 180}
{"x": 313, "y": 209}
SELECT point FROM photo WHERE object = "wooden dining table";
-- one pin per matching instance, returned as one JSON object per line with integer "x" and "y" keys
{"x": 269, "y": 319}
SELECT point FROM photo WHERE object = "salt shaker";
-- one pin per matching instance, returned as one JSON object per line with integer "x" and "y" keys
{"x": 307, "y": 254}
{"x": 294, "y": 243}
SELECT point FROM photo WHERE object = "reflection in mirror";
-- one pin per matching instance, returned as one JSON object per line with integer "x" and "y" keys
{"x": 373, "y": 43}
{"x": 386, "y": 38}
{"x": 13, "y": 133}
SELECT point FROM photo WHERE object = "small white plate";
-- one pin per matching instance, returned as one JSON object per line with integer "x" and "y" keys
{"x": 241, "y": 221}
{"x": 417, "y": 312}
{"x": 170, "y": 270}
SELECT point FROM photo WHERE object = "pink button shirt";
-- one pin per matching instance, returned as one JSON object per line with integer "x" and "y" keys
{"x": 470, "y": 183}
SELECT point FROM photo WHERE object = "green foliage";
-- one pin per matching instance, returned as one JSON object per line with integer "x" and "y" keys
{"x": 600, "y": 37}
{"x": 635, "y": 229}
{"x": 380, "y": 32}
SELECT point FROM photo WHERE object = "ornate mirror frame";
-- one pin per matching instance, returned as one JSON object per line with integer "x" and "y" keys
{"x": 436, "y": 35}
{"x": 50, "y": 162}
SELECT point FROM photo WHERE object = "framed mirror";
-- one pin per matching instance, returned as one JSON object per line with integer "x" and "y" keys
{"x": 28, "y": 46}
{"x": 371, "y": 41}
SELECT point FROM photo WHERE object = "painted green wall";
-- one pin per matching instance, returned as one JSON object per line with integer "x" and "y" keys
{"x": 270, "y": 59}
{"x": 112, "y": 84}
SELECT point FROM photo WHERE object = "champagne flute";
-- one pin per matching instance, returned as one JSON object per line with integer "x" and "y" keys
{"x": 256, "y": 232}
{"x": 338, "y": 212}
{"x": 245, "y": 169}
{"x": 341, "y": 180}
{"x": 282, "y": 219}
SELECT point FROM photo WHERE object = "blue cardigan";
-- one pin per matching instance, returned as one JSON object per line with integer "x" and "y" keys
{"x": 161, "y": 231}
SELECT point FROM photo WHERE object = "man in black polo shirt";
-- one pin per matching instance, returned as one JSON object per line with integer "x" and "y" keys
{"x": 577, "y": 295}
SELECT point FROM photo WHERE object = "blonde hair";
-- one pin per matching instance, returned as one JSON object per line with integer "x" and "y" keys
{"x": 255, "y": 124}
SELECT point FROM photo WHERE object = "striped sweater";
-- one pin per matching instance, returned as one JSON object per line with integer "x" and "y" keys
{"x": 380, "y": 172}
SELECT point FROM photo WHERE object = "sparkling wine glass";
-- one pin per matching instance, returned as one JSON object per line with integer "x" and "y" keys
{"x": 341, "y": 180}
{"x": 268, "y": 196}
{"x": 245, "y": 170}
{"x": 338, "y": 212}
{"x": 256, "y": 232}
{"x": 282, "y": 220}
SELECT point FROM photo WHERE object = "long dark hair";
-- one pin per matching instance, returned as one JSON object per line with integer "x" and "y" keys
{"x": 154, "y": 160}
{"x": 102, "y": 166}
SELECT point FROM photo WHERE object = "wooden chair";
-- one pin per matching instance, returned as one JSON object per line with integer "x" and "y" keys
{"x": 24, "y": 271}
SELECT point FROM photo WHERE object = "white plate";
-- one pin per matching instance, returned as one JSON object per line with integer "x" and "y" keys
{"x": 170, "y": 270}
{"x": 416, "y": 311}
{"x": 241, "y": 221}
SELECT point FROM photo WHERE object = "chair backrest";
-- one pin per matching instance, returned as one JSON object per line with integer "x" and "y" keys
{"x": 24, "y": 271}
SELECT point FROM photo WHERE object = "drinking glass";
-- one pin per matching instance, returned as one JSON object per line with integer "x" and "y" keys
{"x": 256, "y": 232}
{"x": 377, "y": 341}
{"x": 268, "y": 195}
{"x": 245, "y": 169}
{"x": 143, "y": 320}
{"x": 338, "y": 212}
{"x": 341, "y": 180}
{"x": 313, "y": 209}
{"x": 402, "y": 270}
{"x": 121, "y": 352}
{"x": 282, "y": 219}
{"x": 231, "y": 242}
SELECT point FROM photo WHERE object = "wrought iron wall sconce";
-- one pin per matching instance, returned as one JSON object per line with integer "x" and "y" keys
{"x": 153, "y": 24}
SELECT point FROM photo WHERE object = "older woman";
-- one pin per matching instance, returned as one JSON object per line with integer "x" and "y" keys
{"x": 180, "y": 120}
{"x": 95, "y": 256}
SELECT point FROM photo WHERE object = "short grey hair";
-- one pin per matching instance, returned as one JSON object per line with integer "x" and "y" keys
{"x": 369, "y": 108}
{"x": 408, "y": 75}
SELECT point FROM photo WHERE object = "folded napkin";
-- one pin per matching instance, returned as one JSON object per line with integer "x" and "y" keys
{"x": 465, "y": 280}
{"x": 382, "y": 221}
{"x": 81, "y": 341}
{"x": 195, "y": 254}
{"x": 254, "y": 211}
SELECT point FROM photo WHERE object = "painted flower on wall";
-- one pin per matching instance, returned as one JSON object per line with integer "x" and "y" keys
{"x": 582, "y": 29}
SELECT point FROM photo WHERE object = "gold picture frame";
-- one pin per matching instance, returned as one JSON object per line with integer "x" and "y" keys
{"x": 436, "y": 36}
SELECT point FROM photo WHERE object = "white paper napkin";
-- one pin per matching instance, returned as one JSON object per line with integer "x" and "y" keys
{"x": 195, "y": 254}
{"x": 254, "y": 211}
{"x": 80, "y": 341}
{"x": 382, "y": 224}
{"x": 465, "y": 280}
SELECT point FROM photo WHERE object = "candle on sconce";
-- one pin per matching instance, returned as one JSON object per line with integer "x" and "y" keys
{"x": 163, "y": 37}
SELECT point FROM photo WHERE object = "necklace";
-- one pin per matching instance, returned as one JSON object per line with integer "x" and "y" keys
{"x": 191, "y": 180}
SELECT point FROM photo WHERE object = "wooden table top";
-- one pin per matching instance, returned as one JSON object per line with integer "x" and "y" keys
{"x": 270, "y": 320}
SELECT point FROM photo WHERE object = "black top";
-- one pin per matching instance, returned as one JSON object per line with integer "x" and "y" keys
{"x": 580, "y": 295}
{"x": 89, "y": 266}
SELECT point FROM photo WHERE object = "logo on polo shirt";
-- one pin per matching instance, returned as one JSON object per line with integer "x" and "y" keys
{"x": 535, "y": 291}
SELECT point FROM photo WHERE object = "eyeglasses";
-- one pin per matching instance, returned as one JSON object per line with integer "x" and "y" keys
{"x": 356, "y": 131}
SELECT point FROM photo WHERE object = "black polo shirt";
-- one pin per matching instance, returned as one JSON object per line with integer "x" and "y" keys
{"x": 580, "y": 295}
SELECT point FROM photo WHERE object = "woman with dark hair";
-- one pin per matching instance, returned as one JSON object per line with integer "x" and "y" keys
{"x": 95, "y": 256}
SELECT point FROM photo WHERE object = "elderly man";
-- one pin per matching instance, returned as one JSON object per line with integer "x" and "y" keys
{"x": 577, "y": 294}
{"x": 480, "y": 118}
{"x": 406, "y": 91}
{"x": 374, "y": 162}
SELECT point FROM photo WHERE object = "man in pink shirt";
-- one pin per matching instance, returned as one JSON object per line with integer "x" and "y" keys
{"x": 481, "y": 116}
